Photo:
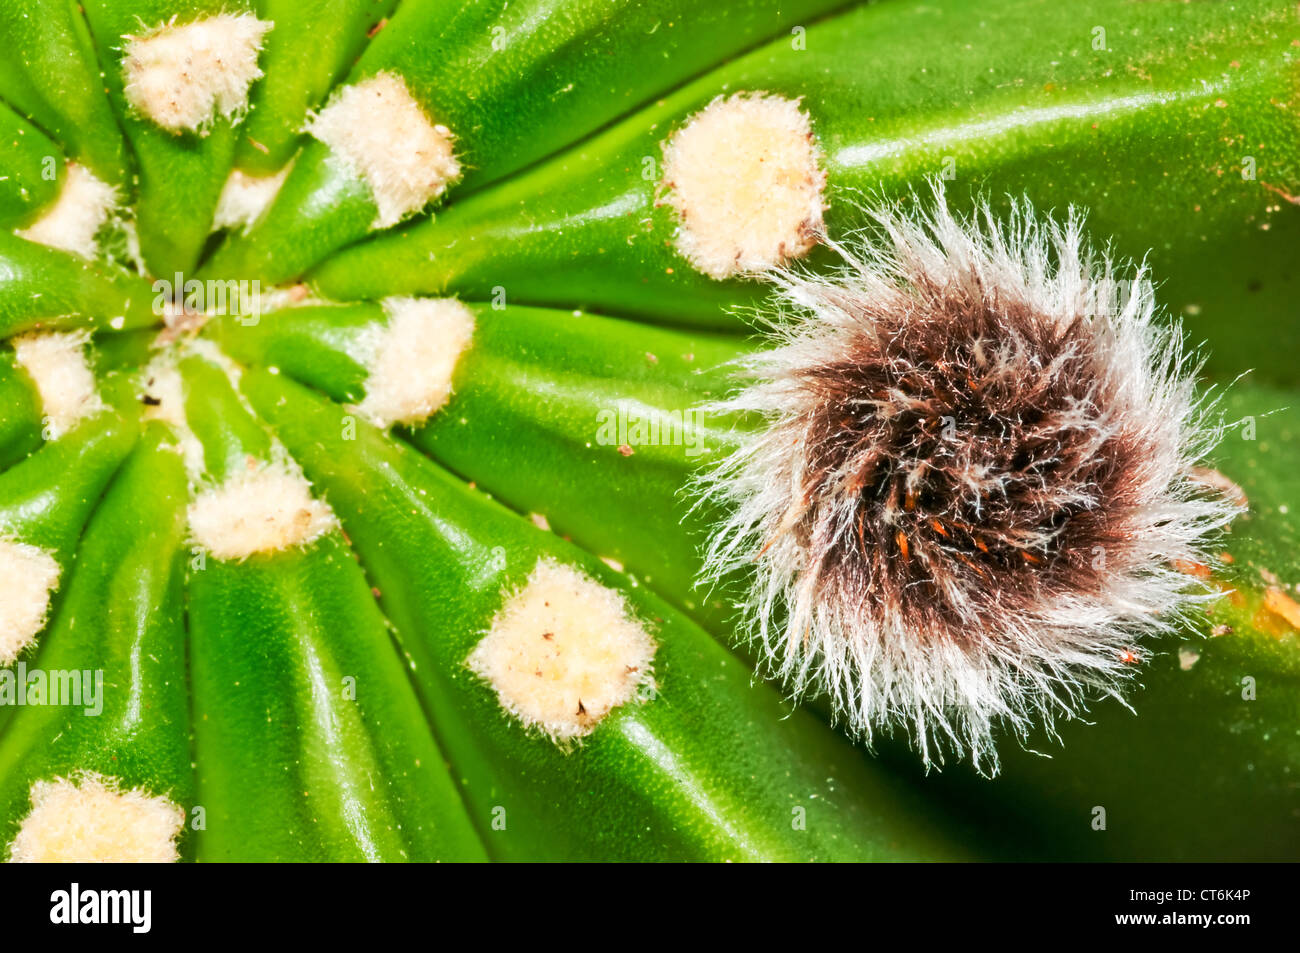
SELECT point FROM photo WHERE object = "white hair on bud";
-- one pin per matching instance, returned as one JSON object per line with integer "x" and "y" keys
{"x": 385, "y": 137}
{"x": 72, "y": 222}
{"x": 412, "y": 358}
{"x": 745, "y": 179}
{"x": 184, "y": 76}
{"x": 972, "y": 487}
{"x": 92, "y": 820}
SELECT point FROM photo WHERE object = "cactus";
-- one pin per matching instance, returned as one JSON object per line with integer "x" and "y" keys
{"x": 437, "y": 430}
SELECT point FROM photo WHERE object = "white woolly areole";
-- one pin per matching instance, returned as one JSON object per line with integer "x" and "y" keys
{"x": 385, "y": 137}
{"x": 28, "y": 575}
{"x": 75, "y": 218}
{"x": 184, "y": 76}
{"x": 245, "y": 197}
{"x": 877, "y": 574}
{"x": 744, "y": 176}
{"x": 57, "y": 364}
{"x": 412, "y": 358}
{"x": 92, "y": 820}
{"x": 162, "y": 384}
{"x": 264, "y": 510}
{"x": 563, "y": 652}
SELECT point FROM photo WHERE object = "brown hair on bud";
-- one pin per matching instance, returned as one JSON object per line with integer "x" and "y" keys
{"x": 972, "y": 482}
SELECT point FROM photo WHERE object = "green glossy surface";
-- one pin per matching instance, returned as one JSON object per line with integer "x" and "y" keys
{"x": 50, "y": 72}
{"x": 124, "y": 350}
{"x": 514, "y": 83}
{"x": 123, "y": 618}
{"x": 44, "y": 288}
{"x": 178, "y": 177}
{"x": 1012, "y": 93}
{"x": 320, "y": 345}
{"x": 228, "y": 434}
{"x": 709, "y": 768}
{"x": 33, "y": 170}
{"x": 46, "y": 500}
{"x": 311, "y": 742}
{"x": 20, "y": 412}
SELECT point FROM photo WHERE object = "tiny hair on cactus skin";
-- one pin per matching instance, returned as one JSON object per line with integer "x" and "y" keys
{"x": 182, "y": 76}
{"x": 360, "y": 123}
{"x": 973, "y": 481}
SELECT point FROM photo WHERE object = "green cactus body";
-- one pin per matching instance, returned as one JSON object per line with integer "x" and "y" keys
{"x": 364, "y": 382}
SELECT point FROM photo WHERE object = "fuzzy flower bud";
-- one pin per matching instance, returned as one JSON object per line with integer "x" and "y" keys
{"x": 972, "y": 484}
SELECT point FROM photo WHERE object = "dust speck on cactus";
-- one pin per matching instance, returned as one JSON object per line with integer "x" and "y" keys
{"x": 972, "y": 488}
